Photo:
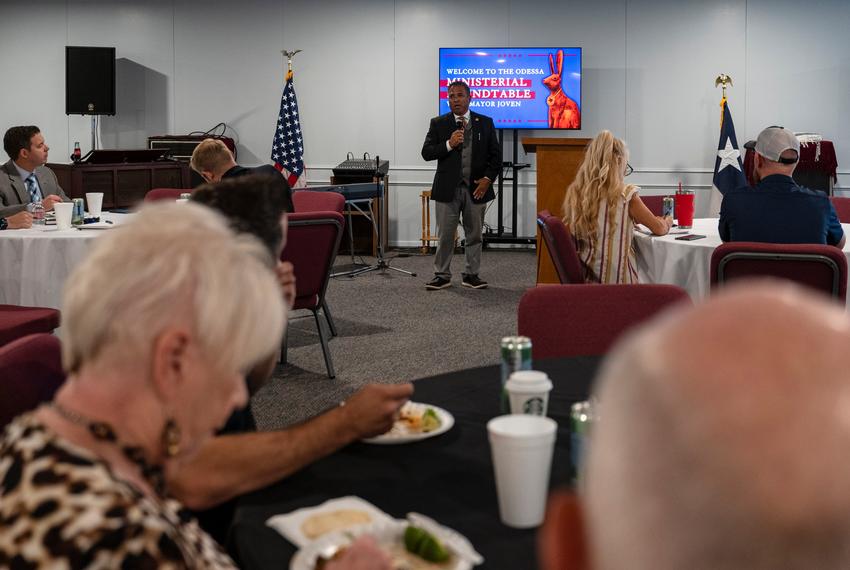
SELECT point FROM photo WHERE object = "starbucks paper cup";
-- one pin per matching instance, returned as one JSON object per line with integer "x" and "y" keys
{"x": 528, "y": 392}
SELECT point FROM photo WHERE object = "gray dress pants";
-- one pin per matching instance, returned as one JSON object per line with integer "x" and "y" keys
{"x": 448, "y": 214}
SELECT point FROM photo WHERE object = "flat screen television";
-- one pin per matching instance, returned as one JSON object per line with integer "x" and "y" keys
{"x": 520, "y": 88}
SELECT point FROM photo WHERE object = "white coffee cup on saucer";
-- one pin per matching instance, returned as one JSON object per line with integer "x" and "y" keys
{"x": 528, "y": 392}
{"x": 64, "y": 212}
{"x": 94, "y": 203}
{"x": 521, "y": 446}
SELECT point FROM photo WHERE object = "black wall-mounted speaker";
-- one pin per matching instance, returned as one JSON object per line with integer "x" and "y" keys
{"x": 89, "y": 80}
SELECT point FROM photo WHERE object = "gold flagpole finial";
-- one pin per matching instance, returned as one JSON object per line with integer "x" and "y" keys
{"x": 289, "y": 55}
{"x": 723, "y": 80}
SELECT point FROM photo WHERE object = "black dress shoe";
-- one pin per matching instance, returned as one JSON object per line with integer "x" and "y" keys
{"x": 437, "y": 283}
{"x": 473, "y": 282}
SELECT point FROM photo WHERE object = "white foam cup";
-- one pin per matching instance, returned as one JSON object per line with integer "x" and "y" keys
{"x": 94, "y": 202}
{"x": 521, "y": 446}
{"x": 528, "y": 391}
{"x": 64, "y": 211}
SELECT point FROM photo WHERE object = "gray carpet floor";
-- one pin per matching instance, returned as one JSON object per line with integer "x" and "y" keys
{"x": 392, "y": 330}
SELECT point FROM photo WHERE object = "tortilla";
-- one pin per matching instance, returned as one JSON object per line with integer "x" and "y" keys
{"x": 316, "y": 525}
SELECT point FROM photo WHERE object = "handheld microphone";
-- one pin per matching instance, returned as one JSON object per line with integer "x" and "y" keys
{"x": 459, "y": 125}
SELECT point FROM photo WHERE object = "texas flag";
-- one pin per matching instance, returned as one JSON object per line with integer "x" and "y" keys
{"x": 728, "y": 168}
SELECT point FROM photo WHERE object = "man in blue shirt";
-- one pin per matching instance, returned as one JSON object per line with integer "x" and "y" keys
{"x": 777, "y": 210}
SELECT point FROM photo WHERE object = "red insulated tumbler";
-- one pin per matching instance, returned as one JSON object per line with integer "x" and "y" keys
{"x": 685, "y": 208}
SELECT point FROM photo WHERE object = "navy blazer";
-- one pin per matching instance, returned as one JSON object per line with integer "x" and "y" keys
{"x": 486, "y": 156}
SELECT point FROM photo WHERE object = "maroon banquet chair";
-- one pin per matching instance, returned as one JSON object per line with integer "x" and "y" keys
{"x": 654, "y": 203}
{"x": 30, "y": 373}
{"x": 311, "y": 201}
{"x": 561, "y": 247}
{"x": 586, "y": 320}
{"x": 17, "y": 321}
{"x": 821, "y": 267}
{"x": 311, "y": 246}
{"x": 158, "y": 194}
{"x": 324, "y": 201}
{"x": 842, "y": 208}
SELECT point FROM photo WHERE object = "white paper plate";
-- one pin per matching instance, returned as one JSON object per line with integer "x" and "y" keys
{"x": 399, "y": 435}
{"x": 289, "y": 524}
{"x": 97, "y": 226}
{"x": 390, "y": 535}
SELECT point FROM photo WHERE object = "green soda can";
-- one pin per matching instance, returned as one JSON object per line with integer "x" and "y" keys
{"x": 582, "y": 417}
{"x": 78, "y": 214}
{"x": 516, "y": 355}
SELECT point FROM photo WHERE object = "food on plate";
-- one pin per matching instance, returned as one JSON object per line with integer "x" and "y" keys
{"x": 318, "y": 524}
{"x": 400, "y": 559}
{"x": 409, "y": 547}
{"x": 416, "y": 418}
{"x": 430, "y": 420}
{"x": 424, "y": 544}
{"x": 322, "y": 562}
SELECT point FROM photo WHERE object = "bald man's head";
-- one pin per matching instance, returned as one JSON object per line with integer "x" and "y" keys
{"x": 724, "y": 439}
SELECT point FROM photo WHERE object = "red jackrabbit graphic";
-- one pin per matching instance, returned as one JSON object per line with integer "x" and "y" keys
{"x": 563, "y": 111}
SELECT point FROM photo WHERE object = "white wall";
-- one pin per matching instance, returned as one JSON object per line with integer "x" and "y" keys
{"x": 365, "y": 79}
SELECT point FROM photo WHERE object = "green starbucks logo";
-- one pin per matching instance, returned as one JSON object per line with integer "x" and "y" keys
{"x": 533, "y": 406}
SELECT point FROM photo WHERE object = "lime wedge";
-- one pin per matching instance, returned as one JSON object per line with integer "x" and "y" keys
{"x": 425, "y": 545}
{"x": 432, "y": 550}
{"x": 430, "y": 420}
{"x": 412, "y": 537}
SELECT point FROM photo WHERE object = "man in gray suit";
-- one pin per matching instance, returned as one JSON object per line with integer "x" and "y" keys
{"x": 25, "y": 179}
{"x": 466, "y": 148}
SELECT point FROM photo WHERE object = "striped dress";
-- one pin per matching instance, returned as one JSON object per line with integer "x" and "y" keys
{"x": 612, "y": 258}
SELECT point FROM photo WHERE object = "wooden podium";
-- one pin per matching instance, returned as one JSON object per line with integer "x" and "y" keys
{"x": 123, "y": 185}
{"x": 557, "y": 163}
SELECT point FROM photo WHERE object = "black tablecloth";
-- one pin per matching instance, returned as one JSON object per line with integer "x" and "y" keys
{"x": 448, "y": 477}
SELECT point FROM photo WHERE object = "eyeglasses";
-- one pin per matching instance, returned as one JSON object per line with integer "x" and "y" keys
{"x": 628, "y": 170}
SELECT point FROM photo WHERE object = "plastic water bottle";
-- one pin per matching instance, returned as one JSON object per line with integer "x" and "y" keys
{"x": 37, "y": 211}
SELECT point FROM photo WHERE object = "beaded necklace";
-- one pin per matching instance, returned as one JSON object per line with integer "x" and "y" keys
{"x": 102, "y": 431}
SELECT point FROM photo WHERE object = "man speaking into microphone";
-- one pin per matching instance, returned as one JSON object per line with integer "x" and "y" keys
{"x": 466, "y": 149}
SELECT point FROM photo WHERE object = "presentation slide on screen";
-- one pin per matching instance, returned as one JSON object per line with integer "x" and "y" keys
{"x": 520, "y": 88}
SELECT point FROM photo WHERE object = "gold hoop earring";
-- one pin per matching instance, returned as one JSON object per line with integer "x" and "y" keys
{"x": 171, "y": 438}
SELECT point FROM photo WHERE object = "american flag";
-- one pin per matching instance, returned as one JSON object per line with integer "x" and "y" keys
{"x": 288, "y": 145}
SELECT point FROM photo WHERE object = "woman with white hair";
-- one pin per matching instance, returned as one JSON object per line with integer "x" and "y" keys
{"x": 158, "y": 335}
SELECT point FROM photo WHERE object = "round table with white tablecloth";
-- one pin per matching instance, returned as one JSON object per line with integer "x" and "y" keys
{"x": 664, "y": 259}
{"x": 34, "y": 263}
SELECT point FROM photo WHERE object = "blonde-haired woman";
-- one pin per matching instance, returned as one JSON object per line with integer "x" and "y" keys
{"x": 601, "y": 210}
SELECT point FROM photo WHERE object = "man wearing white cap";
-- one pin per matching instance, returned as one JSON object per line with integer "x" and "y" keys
{"x": 777, "y": 210}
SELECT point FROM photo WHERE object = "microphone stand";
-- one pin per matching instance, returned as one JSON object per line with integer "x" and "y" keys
{"x": 381, "y": 263}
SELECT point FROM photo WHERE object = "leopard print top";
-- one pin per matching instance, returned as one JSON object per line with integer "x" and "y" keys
{"x": 62, "y": 507}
